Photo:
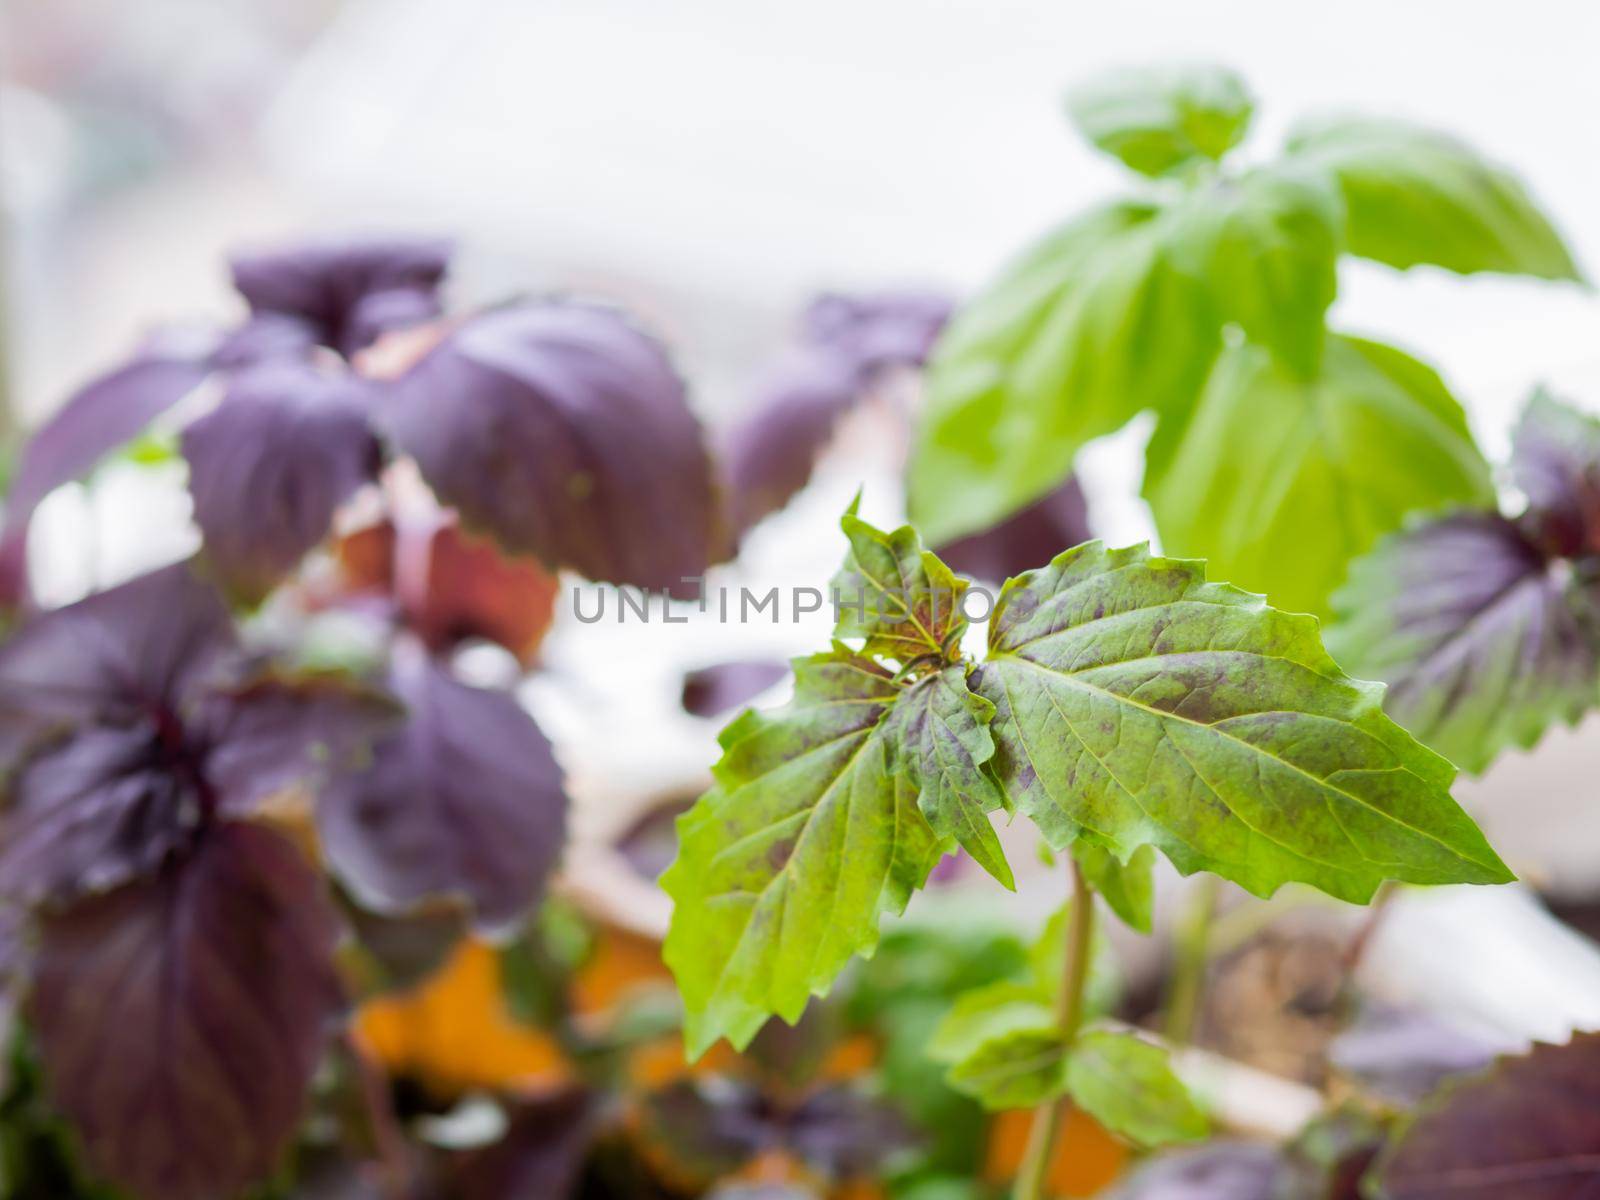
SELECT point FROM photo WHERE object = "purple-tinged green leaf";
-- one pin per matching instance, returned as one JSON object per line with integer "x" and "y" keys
{"x": 1057, "y": 521}
{"x": 1484, "y": 642}
{"x": 1555, "y": 460}
{"x": 723, "y": 687}
{"x": 899, "y": 598}
{"x": 1219, "y": 1171}
{"x": 270, "y": 465}
{"x": 180, "y": 1018}
{"x": 564, "y": 431}
{"x": 938, "y": 736}
{"x": 1528, "y": 1129}
{"x": 785, "y": 867}
{"x": 346, "y": 291}
{"x": 1138, "y": 703}
{"x": 464, "y": 799}
{"x": 101, "y": 416}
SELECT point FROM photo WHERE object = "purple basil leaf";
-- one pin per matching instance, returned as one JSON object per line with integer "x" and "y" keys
{"x": 878, "y": 330}
{"x": 345, "y": 292}
{"x": 125, "y": 653}
{"x": 279, "y": 732}
{"x": 721, "y": 687}
{"x": 269, "y": 466}
{"x": 564, "y": 431}
{"x": 142, "y": 734}
{"x": 768, "y": 457}
{"x": 1402, "y": 1055}
{"x": 14, "y": 951}
{"x": 844, "y": 1134}
{"x": 713, "y": 1126}
{"x": 101, "y": 416}
{"x": 104, "y": 779}
{"x": 540, "y": 1156}
{"x": 1528, "y": 1129}
{"x": 408, "y": 948}
{"x": 265, "y": 338}
{"x": 1555, "y": 460}
{"x": 180, "y": 1018}
{"x": 464, "y": 798}
{"x": 845, "y": 341}
{"x": 97, "y": 809}
{"x": 1055, "y": 522}
{"x": 1483, "y": 641}
{"x": 1219, "y": 1171}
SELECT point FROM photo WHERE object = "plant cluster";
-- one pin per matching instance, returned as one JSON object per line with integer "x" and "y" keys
{"x": 167, "y": 767}
{"x": 270, "y": 895}
{"x": 1281, "y": 449}
{"x": 1123, "y": 704}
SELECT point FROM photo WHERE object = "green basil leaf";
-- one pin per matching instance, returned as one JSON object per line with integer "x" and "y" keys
{"x": 1484, "y": 641}
{"x": 785, "y": 867}
{"x": 988, "y": 1013}
{"x": 939, "y": 736}
{"x": 1092, "y": 326}
{"x": 1020, "y": 1069}
{"x": 1416, "y": 196}
{"x": 1137, "y": 703}
{"x": 1157, "y": 119}
{"x": 901, "y": 599}
{"x": 1279, "y": 482}
{"x": 1268, "y": 243}
{"x": 1128, "y": 888}
{"x": 1127, "y": 1084}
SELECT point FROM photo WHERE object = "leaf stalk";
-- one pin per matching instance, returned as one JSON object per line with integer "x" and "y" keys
{"x": 1191, "y": 960}
{"x": 1035, "y": 1169}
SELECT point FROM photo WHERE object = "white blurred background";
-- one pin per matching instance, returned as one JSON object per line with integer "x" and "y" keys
{"x": 714, "y": 162}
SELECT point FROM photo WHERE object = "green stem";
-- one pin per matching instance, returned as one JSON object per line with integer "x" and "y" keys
{"x": 1191, "y": 957}
{"x": 1035, "y": 1169}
